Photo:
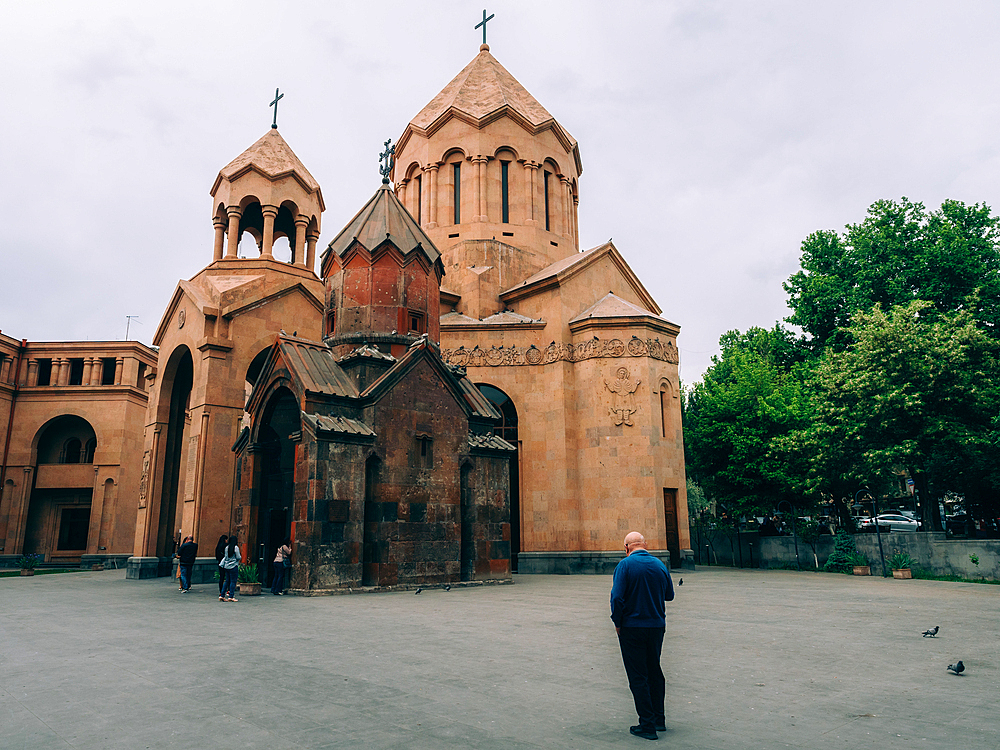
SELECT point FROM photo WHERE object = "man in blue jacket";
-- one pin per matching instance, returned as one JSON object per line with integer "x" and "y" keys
{"x": 641, "y": 586}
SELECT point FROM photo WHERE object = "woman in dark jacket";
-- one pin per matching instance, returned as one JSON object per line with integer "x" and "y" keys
{"x": 220, "y": 552}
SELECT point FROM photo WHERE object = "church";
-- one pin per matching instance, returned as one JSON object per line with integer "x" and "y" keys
{"x": 454, "y": 390}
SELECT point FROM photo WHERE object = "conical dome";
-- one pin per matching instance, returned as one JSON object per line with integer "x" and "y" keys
{"x": 273, "y": 158}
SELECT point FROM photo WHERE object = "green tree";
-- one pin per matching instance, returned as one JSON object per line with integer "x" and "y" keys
{"x": 913, "y": 390}
{"x": 751, "y": 395}
{"x": 899, "y": 253}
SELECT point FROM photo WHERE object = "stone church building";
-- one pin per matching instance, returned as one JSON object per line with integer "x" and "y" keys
{"x": 459, "y": 393}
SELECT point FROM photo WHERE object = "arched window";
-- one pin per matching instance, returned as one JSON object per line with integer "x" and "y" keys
{"x": 88, "y": 453}
{"x": 71, "y": 451}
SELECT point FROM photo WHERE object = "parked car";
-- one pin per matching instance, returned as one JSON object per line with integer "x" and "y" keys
{"x": 957, "y": 523}
{"x": 897, "y": 522}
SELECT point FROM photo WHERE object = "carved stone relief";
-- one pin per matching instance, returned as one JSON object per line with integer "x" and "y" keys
{"x": 623, "y": 404}
{"x": 144, "y": 480}
{"x": 513, "y": 356}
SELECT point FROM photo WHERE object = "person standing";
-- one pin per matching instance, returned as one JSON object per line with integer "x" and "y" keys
{"x": 185, "y": 561}
{"x": 220, "y": 552}
{"x": 282, "y": 560}
{"x": 639, "y": 590}
{"x": 231, "y": 563}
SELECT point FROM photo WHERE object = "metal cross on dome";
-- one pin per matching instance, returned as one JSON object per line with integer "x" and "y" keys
{"x": 386, "y": 158}
{"x": 483, "y": 23}
{"x": 274, "y": 104}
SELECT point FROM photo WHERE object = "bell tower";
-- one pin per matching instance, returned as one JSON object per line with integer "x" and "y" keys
{"x": 267, "y": 192}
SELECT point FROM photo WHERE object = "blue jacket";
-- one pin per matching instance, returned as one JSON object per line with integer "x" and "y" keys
{"x": 641, "y": 586}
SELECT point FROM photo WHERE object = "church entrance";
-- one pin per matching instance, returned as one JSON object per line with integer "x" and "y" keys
{"x": 507, "y": 429}
{"x": 673, "y": 535}
{"x": 276, "y": 452}
{"x": 168, "y": 523}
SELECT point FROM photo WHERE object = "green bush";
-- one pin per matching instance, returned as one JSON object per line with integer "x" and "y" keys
{"x": 28, "y": 562}
{"x": 840, "y": 560}
{"x": 859, "y": 558}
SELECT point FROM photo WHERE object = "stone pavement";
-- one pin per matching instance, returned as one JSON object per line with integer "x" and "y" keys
{"x": 753, "y": 659}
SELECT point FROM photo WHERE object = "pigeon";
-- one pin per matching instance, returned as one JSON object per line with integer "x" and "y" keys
{"x": 957, "y": 668}
{"x": 680, "y": 582}
{"x": 447, "y": 587}
{"x": 418, "y": 591}
{"x": 932, "y": 632}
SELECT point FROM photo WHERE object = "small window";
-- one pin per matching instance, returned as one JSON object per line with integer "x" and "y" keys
{"x": 416, "y": 322}
{"x": 457, "y": 191}
{"x": 331, "y": 322}
{"x": 88, "y": 454}
{"x": 108, "y": 371}
{"x": 548, "y": 225}
{"x": 504, "y": 194}
{"x": 76, "y": 371}
{"x": 420, "y": 208}
{"x": 44, "y": 371}
{"x": 140, "y": 378}
{"x": 425, "y": 452}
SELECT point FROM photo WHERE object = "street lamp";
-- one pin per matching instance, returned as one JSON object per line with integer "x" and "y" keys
{"x": 878, "y": 533}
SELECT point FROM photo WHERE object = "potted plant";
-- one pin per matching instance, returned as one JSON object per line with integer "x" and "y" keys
{"x": 901, "y": 564}
{"x": 28, "y": 562}
{"x": 859, "y": 563}
{"x": 249, "y": 580}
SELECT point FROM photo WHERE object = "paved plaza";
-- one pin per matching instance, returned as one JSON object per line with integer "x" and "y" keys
{"x": 753, "y": 660}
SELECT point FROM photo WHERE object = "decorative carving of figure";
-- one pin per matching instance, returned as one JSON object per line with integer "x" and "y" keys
{"x": 623, "y": 402}
{"x": 144, "y": 481}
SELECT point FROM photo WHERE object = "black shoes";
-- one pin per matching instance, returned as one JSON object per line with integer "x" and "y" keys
{"x": 661, "y": 727}
{"x": 638, "y": 732}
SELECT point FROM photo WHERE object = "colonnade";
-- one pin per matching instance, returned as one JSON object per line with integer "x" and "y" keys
{"x": 93, "y": 371}
{"x": 229, "y": 227}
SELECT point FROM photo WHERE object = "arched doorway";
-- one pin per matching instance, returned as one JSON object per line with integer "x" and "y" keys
{"x": 179, "y": 380}
{"x": 58, "y": 518}
{"x": 507, "y": 429}
{"x": 275, "y": 448}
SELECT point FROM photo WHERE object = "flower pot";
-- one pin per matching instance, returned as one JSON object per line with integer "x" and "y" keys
{"x": 862, "y": 570}
{"x": 902, "y": 573}
{"x": 26, "y": 572}
{"x": 249, "y": 589}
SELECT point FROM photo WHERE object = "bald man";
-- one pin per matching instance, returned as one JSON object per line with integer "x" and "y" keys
{"x": 641, "y": 587}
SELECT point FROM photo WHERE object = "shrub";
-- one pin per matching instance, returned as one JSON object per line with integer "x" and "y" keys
{"x": 843, "y": 549}
{"x": 248, "y": 574}
{"x": 900, "y": 560}
{"x": 28, "y": 562}
{"x": 859, "y": 558}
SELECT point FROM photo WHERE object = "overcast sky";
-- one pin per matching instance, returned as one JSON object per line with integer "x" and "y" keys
{"x": 715, "y": 136}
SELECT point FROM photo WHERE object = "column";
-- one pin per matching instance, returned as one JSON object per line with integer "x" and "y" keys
{"x": 220, "y": 237}
{"x": 401, "y": 191}
{"x": 311, "y": 239}
{"x": 234, "y": 213}
{"x": 481, "y": 187}
{"x": 152, "y": 498}
{"x": 576, "y": 220}
{"x": 200, "y": 476}
{"x": 299, "y": 251}
{"x": 5, "y": 370}
{"x": 97, "y": 375}
{"x": 566, "y": 202}
{"x": 33, "y": 372}
{"x": 20, "y": 518}
{"x": 530, "y": 175}
{"x": 431, "y": 170}
{"x": 64, "y": 371}
{"x": 88, "y": 369}
{"x": 119, "y": 367}
{"x": 270, "y": 214}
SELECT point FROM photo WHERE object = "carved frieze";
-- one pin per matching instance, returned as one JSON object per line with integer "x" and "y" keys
{"x": 512, "y": 356}
{"x": 144, "y": 481}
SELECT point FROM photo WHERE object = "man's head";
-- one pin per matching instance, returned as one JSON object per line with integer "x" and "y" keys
{"x": 633, "y": 541}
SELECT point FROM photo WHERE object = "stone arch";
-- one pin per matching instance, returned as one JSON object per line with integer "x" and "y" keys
{"x": 57, "y": 435}
{"x": 275, "y": 436}
{"x": 507, "y": 429}
{"x": 173, "y": 406}
{"x": 501, "y": 151}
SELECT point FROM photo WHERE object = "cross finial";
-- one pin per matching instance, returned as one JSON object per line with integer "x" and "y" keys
{"x": 386, "y": 158}
{"x": 483, "y": 23}
{"x": 274, "y": 104}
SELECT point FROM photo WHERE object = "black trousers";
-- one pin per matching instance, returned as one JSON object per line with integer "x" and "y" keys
{"x": 641, "y": 656}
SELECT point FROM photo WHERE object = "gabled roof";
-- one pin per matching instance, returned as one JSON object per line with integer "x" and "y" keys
{"x": 563, "y": 270}
{"x": 338, "y": 425}
{"x": 313, "y": 365}
{"x": 273, "y": 158}
{"x": 475, "y": 404}
{"x": 384, "y": 218}
{"x": 490, "y": 442}
{"x": 482, "y": 92}
{"x": 505, "y": 319}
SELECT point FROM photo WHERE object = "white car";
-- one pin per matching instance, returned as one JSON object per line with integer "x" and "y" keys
{"x": 897, "y": 522}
